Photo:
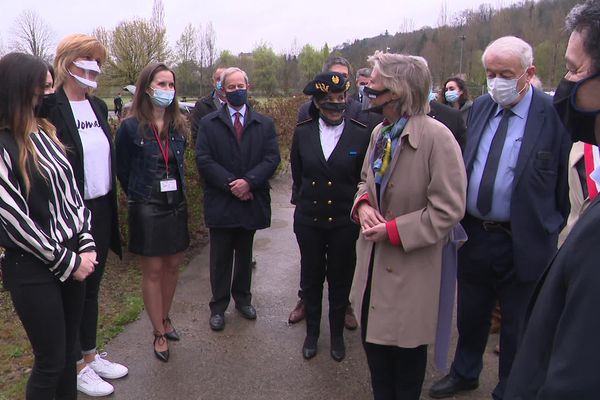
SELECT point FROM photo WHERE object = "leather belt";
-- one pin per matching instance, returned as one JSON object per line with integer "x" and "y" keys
{"x": 492, "y": 226}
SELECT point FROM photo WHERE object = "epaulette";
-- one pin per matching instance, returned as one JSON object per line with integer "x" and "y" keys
{"x": 304, "y": 122}
{"x": 358, "y": 123}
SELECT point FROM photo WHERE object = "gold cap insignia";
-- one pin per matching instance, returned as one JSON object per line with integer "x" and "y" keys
{"x": 322, "y": 87}
{"x": 335, "y": 80}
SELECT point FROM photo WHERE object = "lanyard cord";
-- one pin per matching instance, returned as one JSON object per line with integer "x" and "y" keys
{"x": 163, "y": 150}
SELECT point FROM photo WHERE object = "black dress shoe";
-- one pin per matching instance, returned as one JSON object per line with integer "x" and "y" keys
{"x": 309, "y": 348}
{"x": 247, "y": 312}
{"x": 173, "y": 335}
{"x": 451, "y": 384}
{"x": 338, "y": 349}
{"x": 217, "y": 322}
{"x": 161, "y": 355}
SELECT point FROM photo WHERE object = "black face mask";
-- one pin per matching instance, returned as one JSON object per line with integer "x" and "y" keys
{"x": 45, "y": 104}
{"x": 334, "y": 107}
{"x": 379, "y": 109}
{"x": 580, "y": 124}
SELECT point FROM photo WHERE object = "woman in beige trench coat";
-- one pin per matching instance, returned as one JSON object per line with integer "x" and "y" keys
{"x": 412, "y": 193}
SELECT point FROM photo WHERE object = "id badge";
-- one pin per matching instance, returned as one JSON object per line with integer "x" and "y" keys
{"x": 168, "y": 185}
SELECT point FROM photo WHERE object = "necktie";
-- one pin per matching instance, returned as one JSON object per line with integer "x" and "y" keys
{"x": 486, "y": 188}
{"x": 237, "y": 126}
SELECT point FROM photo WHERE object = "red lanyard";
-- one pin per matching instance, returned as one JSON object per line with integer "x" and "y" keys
{"x": 163, "y": 150}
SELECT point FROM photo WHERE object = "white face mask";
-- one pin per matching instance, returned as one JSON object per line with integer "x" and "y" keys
{"x": 86, "y": 65}
{"x": 504, "y": 91}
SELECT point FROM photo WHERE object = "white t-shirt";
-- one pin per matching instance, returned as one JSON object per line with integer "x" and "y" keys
{"x": 96, "y": 151}
{"x": 330, "y": 135}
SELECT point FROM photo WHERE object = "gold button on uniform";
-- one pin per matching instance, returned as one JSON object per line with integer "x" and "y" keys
{"x": 315, "y": 220}
{"x": 314, "y": 183}
{"x": 330, "y": 219}
{"x": 315, "y": 202}
{"x": 329, "y": 183}
{"x": 329, "y": 202}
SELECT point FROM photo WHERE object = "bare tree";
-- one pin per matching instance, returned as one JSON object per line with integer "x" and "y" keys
{"x": 187, "y": 45}
{"x": 31, "y": 34}
{"x": 158, "y": 14}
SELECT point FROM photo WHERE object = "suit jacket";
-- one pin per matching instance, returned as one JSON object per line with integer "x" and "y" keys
{"x": 66, "y": 130}
{"x": 221, "y": 160}
{"x": 558, "y": 355}
{"x": 203, "y": 107}
{"x": 540, "y": 196}
{"x": 424, "y": 196}
{"x": 323, "y": 190}
{"x": 453, "y": 120}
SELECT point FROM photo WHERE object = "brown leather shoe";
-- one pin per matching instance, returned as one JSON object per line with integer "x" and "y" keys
{"x": 298, "y": 313}
{"x": 349, "y": 319}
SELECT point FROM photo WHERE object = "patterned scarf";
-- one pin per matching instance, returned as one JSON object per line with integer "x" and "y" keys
{"x": 384, "y": 148}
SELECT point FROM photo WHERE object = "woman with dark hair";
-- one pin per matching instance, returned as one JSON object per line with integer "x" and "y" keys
{"x": 150, "y": 147}
{"x": 81, "y": 121}
{"x": 326, "y": 158}
{"x": 45, "y": 230}
{"x": 456, "y": 95}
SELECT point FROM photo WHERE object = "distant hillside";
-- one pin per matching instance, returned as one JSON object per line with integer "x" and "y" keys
{"x": 540, "y": 23}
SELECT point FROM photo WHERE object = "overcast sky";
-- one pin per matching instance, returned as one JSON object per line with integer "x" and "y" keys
{"x": 241, "y": 25}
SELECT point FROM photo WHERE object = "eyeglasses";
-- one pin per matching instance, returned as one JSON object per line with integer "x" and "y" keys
{"x": 373, "y": 94}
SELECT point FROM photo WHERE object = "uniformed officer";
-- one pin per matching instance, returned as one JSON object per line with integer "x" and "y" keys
{"x": 327, "y": 155}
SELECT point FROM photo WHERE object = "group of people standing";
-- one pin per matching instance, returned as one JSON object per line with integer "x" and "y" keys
{"x": 380, "y": 192}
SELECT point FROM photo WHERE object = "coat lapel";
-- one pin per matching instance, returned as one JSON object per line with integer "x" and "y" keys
{"x": 533, "y": 128}
{"x": 66, "y": 112}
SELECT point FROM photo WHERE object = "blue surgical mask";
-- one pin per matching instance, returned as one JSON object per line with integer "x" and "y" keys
{"x": 162, "y": 98}
{"x": 432, "y": 96}
{"x": 237, "y": 98}
{"x": 452, "y": 96}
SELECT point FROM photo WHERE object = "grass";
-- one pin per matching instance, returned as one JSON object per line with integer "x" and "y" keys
{"x": 120, "y": 293}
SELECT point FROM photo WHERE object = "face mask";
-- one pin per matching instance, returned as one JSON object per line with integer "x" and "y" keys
{"x": 379, "y": 109}
{"x": 372, "y": 93}
{"x": 432, "y": 96}
{"x": 335, "y": 107}
{"x": 237, "y": 98}
{"x": 162, "y": 98}
{"x": 86, "y": 65}
{"x": 504, "y": 91}
{"x": 47, "y": 103}
{"x": 451, "y": 96}
{"x": 580, "y": 124}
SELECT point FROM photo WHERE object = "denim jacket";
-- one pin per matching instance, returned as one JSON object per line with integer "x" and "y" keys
{"x": 139, "y": 155}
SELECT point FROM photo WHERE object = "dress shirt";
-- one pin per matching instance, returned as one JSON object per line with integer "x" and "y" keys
{"x": 503, "y": 184}
{"x": 329, "y": 135}
{"x": 242, "y": 112}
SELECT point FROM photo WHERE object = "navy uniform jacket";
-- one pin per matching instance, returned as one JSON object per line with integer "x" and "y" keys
{"x": 540, "y": 196}
{"x": 558, "y": 355}
{"x": 453, "y": 120}
{"x": 221, "y": 160}
{"x": 323, "y": 190}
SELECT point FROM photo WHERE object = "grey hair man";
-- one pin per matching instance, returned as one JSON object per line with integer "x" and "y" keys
{"x": 515, "y": 211}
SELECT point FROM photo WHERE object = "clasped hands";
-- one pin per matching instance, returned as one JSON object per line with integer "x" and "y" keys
{"x": 372, "y": 223}
{"x": 240, "y": 188}
{"x": 87, "y": 266}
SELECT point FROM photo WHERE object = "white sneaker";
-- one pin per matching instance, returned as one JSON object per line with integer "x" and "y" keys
{"x": 91, "y": 384}
{"x": 107, "y": 369}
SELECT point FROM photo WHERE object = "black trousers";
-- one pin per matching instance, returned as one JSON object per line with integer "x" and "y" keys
{"x": 101, "y": 210}
{"x": 397, "y": 373}
{"x": 227, "y": 244}
{"x": 486, "y": 274}
{"x": 51, "y": 313}
{"x": 331, "y": 254}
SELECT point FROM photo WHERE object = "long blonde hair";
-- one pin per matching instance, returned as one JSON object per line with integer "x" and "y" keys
{"x": 22, "y": 79}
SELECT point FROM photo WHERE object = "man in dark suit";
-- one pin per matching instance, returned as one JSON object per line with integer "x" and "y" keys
{"x": 207, "y": 104}
{"x": 517, "y": 203}
{"x": 452, "y": 119}
{"x": 237, "y": 154}
{"x": 363, "y": 77}
{"x": 558, "y": 353}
